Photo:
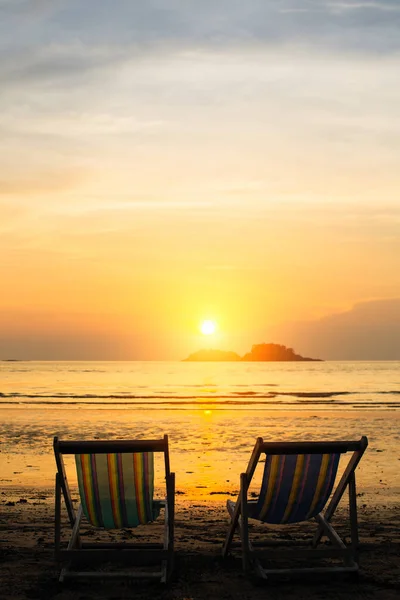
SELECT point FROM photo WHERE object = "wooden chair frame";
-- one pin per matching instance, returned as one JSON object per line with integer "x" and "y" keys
{"x": 135, "y": 554}
{"x": 239, "y": 512}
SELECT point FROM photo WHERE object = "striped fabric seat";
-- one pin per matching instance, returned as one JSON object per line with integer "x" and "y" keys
{"x": 294, "y": 487}
{"x": 116, "y": 489}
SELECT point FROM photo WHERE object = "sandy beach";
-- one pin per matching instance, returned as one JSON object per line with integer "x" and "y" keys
{"x": 28, "y": 569}
{"x": 211, "y": 438}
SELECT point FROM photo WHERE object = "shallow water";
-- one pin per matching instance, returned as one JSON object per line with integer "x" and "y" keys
{"x": 170, "y": 385}
{"x": 213, "y": 412}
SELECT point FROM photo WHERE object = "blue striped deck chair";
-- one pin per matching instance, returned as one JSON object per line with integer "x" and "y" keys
{"x": 298, "y": 485}
{"x": 116, "y": 488}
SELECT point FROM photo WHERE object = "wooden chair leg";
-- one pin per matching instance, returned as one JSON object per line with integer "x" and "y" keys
{"x": 57, "y": 520}
{"x": 340, "y": 490}
{"x": 169, "y": 526}
{"x": 244, "y": 523}
{"x": 73, "y": 543}
{"x": 353, "y": 517}
{"x": 164, "y": 563}
{"x": 330, "y": 532}
{"x": 232, "y": 528}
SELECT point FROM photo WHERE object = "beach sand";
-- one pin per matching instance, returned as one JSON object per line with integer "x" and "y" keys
{"x": 28, "y": 569}
{"x": 210, "y": 446}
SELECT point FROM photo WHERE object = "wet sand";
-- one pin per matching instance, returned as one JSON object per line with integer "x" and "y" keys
{"x": 209, "y": 449}
{"x": 28, "y": 569}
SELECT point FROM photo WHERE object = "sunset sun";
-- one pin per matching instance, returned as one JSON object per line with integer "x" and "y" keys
{"x": 208, "y": 327}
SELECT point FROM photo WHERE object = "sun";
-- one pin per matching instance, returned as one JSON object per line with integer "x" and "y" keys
{"x": 208, "y": 327}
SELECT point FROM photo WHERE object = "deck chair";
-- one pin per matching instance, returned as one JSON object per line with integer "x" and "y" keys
{"x": 116, "y": 483}
{"x": 297, "y": 486}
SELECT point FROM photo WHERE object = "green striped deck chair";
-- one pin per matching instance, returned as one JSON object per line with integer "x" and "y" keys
{"x": 116, "y": 488}
{"x": 298, "y": 484}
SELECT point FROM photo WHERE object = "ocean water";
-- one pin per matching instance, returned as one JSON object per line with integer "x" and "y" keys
{"x": 178, "y": 384}
{"x": 212, "y": 412}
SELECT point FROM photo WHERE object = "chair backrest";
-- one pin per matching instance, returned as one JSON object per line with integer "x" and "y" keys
{"x": 115, "y": 479}
{"x": 295, "y": 487}
{"x": 116, "y": 489}
{"x": 298, "y": 478}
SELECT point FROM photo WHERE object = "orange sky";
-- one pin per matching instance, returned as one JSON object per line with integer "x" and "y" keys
{"x": 144, "y": 188}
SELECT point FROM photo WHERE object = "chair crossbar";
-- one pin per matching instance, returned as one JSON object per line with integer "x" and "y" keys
{"x": 121, "y": 546}
{"x": 125, "y": 575}
{"x": 312, "y": 447}
{"x": 139, "y": 557}
{"x": 111, "y": 446}
{"x": 310, "y": 570}
{"x": 303, "y": 553}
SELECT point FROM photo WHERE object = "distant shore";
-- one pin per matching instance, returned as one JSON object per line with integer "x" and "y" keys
{"x": 258, "y": 353}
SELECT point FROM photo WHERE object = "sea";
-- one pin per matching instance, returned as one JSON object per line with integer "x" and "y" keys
{"x": 212, "y": 412}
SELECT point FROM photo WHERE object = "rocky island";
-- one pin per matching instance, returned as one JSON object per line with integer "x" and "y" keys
{"x": 258, "y": 353}
{"x": 213, "y": 355}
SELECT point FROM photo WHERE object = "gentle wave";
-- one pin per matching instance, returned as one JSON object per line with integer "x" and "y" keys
{"x": 169, "y": 404}
{"x": 233, "y": 395}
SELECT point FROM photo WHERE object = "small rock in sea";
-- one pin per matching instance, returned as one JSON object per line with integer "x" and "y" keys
{"x": 10, "y": 503}
{"x": 23, "y": 501}
{"x": 190, "y": 472}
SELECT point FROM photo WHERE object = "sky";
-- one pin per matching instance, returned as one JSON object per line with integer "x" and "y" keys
{"x": 166, "y": 162}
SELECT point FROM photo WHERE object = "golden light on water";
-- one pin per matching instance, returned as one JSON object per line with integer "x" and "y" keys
{"x": 208, "y": 327}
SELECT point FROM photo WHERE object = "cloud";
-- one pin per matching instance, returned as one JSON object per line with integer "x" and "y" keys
{"x": 141, "y": 28}
{"x": 118, "y": 209}
{"x": 41, "y": 182}
{"x": 55, "y": 63}
{"x": 369, "y": 331}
